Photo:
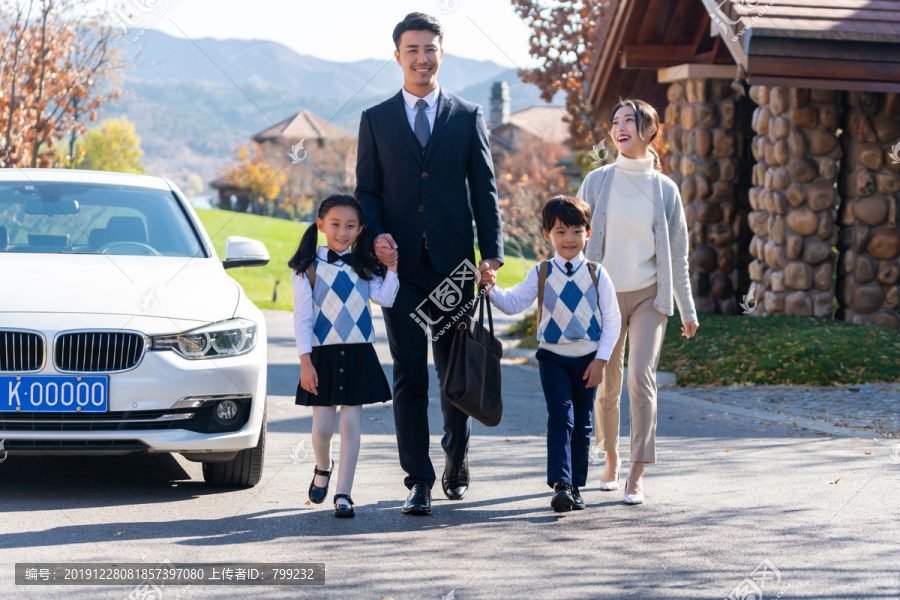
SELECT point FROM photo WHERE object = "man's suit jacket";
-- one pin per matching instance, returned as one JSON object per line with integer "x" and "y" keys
{"x": 405, "y": 190}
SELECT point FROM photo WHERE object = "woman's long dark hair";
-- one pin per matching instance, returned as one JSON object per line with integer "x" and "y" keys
{"x": 366, "y": 264}
{"x": 645, "y": 116}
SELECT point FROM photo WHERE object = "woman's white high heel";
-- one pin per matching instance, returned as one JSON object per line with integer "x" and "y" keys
{"x": 637, "y": 497}
{"x": 610, "y": 486}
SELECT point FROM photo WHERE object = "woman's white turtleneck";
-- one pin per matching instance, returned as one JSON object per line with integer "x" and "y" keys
{"x": 629, "y": 247}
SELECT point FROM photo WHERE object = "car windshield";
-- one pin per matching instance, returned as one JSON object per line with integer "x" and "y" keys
{"x": 79, "y": 218}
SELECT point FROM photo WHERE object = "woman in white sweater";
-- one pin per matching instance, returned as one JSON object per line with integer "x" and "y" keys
{"x": 645, "y": 251}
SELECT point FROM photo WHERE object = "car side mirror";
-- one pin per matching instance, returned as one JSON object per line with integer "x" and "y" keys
{"x": 244, "y": 252}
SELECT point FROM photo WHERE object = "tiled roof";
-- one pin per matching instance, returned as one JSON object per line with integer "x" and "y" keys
{"x": 544, "y": 122}
{"x": 831, "y": 44}
{"x": 303, "y": 125}
{"x": 821, "y": 19}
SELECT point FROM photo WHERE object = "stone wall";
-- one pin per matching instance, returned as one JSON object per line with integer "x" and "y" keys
{"x": 824, "y": 200}
{"x": 704, "y": 159}
{"x": 794, "y": 200}
{"x": 869, "y": 243}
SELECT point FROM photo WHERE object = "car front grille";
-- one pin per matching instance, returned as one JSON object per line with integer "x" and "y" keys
{"x": 21, "y": 351}
{"x": 98, "y": 351}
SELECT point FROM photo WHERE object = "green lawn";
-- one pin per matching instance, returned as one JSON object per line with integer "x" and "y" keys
{"x": 281, "y": 238}
{"x": 770, "y": 350}
{"x": 780, "y": 350}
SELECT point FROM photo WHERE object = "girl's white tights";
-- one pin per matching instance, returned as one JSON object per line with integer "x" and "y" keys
{"x": 322, "y": 435}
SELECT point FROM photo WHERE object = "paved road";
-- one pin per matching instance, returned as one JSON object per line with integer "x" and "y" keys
{"x": 735, "y": 486}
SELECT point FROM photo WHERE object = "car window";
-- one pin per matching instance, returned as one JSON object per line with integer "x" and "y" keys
{"x": 40, "y": 217}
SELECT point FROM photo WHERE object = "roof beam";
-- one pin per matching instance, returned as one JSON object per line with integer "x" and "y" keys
{"x": 696, "y": 71}
{"x": 622, "y": 14}
{"x": 654, "y": 56}
{"x": 725, "y": 26}
{"x": 846, "y": 70}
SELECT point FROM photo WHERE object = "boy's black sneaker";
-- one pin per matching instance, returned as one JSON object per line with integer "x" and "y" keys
{"x": 562, "y": 500}
{"x": 578, "y": 502}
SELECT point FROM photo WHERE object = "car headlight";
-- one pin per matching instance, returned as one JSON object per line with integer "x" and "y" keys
{"x": 228, "y": 338}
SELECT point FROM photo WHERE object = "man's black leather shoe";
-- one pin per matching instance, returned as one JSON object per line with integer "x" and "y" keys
{"x": 562, "y": 500}
{"x": 419, "y": 500}
{"x": 578, "y": 501}
{"x": 456, "y": 479}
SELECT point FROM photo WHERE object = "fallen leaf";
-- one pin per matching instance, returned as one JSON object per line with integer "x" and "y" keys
{"x": 869, "y": 452}
{"x": 728, "y": 451}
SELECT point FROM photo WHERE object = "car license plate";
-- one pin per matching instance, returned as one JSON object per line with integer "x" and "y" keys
{"x": 54, "y": 394}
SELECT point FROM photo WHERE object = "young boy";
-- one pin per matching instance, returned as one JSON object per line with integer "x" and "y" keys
{"x": 579, "y": 323}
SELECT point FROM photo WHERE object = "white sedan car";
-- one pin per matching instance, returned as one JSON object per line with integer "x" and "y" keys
{"x": 120, "y": 330}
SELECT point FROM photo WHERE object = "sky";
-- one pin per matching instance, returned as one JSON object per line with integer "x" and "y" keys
{"x": 344, "y": 30}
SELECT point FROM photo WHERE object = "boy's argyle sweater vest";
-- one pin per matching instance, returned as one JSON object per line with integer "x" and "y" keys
{"x": 570, "y": 306}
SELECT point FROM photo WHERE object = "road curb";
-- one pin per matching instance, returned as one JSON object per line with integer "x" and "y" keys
{"x": 527, "y": 355}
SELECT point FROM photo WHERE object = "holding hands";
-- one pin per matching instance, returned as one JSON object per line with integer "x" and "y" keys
{"x": 487, "y": 273}
{"x": 386, "y": 250}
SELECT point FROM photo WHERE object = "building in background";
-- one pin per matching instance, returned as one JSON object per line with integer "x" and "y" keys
{"x": 532, "y": 163}
{"x": 315, "y": 158}
{"x": 508, "y": 131}
{"x": 783, "y": 127}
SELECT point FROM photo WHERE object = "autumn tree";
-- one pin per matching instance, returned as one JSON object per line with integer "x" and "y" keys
{"x": 562, "y": 40}
{"x": 261, "y": 182}
{"x": 313, "y": 170}
{"x": 526, "y": 178}
{"x": 53, "y": 64}
{"x": 563, "y": 36}
{"x": 111, "y": 146}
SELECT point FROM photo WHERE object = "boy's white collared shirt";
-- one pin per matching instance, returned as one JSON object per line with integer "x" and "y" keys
{"x": 522, "y": 295}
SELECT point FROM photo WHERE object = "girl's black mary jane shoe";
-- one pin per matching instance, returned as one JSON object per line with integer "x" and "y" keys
{"x": 318, "y": 494}
{"x": 342, "y": 511}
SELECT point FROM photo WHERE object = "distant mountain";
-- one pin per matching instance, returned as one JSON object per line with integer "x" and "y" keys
{"x": 193, "y": 102}
{"x": 161, "y": 57}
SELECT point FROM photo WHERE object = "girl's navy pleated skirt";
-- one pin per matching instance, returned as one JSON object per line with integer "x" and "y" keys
{"x": 349, "y": 374}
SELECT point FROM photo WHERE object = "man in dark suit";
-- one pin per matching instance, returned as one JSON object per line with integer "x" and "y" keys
{"x": 423, "y": 155}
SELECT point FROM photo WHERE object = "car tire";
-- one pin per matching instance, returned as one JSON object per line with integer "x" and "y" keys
{"x": 243, "y": 471}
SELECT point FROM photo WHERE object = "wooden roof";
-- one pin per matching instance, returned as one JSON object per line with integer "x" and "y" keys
{"x": 834, "y": 44}
{"x": 303, "y": 125}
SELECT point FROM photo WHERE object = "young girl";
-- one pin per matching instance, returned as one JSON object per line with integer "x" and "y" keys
{"x": 333, "y": 325}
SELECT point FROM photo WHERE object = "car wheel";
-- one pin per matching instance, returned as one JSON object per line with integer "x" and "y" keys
{"x": 243, "y": 471}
